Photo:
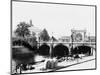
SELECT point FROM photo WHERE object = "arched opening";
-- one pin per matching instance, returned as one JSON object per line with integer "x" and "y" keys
{"x": 60, "y": 51}
{"x": 81, "y": 50}
{"x": 44, "y": 50}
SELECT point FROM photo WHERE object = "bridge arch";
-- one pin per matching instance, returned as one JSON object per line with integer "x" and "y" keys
{"x": 60, "y": 50}
{"x": 82, "y": 49}
{"x": 44, "y": 49}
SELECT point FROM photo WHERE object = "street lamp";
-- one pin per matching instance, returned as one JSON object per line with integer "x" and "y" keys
{"x": 72, "y": 41}
{"x": 51, "y": 46}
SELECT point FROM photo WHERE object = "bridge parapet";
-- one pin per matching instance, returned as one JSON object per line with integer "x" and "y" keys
{"x": 69, "y": 44}
{"x": 85, "y": 43}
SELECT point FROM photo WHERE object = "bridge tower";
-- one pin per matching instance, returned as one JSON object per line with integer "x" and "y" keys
{"x": 78, "y": 35}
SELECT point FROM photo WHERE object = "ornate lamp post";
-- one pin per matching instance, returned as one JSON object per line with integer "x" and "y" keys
{"x": 51, "y": 46}
{"x": 72, "y": 41}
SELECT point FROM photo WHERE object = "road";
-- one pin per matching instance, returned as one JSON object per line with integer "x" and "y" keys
{"x": 86, "y": 65}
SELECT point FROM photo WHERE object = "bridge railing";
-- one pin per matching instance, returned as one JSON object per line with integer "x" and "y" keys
{"x": 67, "y": 42}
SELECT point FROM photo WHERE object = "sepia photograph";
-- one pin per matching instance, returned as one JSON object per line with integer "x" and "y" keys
{"x": 52, "y": 37}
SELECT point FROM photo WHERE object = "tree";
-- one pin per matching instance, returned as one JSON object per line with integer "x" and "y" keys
{"x": 22, "y": 29}
{"x": 44, "y": 35}
{"x": 53, "y": 38}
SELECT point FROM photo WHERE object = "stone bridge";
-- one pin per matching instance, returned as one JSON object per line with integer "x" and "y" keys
{"x": 69, "y": 45}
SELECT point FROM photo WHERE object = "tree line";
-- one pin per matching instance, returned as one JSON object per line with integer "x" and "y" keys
{"x": 23, "y": 32}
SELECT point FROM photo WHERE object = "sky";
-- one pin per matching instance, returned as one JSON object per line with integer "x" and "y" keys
{"x": 57, "y": 19}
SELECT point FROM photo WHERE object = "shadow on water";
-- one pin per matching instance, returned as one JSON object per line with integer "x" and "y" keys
{"x": 81, "y": 50}
{"x": 60, "y": 51}
{"x": 44, "y": 50}
{"x": 23, "y": 53}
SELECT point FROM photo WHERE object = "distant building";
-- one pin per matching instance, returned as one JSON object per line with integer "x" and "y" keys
{"x": 34, "y": 30}
{"x": 78, "y": 36}
{"x": 65, "y": 39}
{"x": 92, "y": 38}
